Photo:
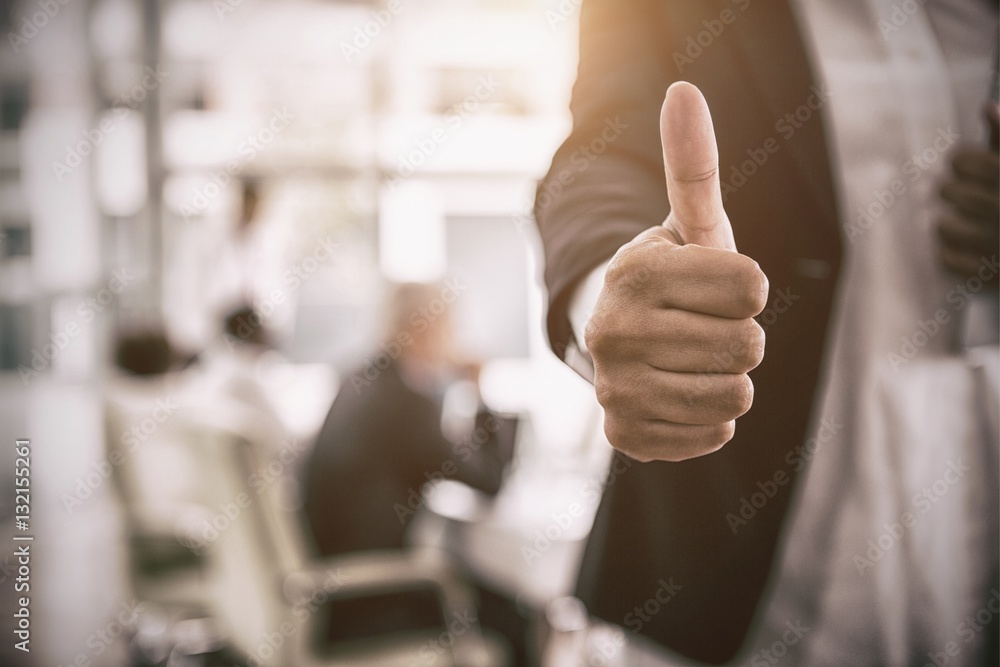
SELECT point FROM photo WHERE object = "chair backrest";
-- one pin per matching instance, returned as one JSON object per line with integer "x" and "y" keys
{"x": 151, "y": 465}
{"x": 244, "y": 543}
{"x": 267, "y": 591}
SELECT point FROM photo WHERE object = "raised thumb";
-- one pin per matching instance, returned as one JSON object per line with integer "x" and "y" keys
{"x": 691, "y": 162}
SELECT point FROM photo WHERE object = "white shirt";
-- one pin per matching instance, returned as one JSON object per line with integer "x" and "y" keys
{"x": 879, "y": 570}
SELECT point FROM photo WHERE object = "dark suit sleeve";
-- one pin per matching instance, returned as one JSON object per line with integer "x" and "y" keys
{"x": 429, "y": 451}
{"x": 606, "y": 182}
{"x": 482, "y": 465}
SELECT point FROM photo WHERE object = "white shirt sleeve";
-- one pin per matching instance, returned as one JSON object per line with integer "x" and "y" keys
{"x": 581, "y": 305}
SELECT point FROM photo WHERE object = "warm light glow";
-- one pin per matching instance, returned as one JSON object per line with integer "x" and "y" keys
{"x": 411, "y": 233}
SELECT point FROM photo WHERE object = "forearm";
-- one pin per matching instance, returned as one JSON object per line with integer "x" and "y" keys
{"x": 605, "y": 184}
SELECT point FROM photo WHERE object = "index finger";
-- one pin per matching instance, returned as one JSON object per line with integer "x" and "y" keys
{"x": 696, "y": 278}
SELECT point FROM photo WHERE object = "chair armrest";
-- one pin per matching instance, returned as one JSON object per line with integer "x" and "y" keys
{"x": 376, "y": 572}
{"x": 180, "y": 522}
{"x": 367, "y": 573}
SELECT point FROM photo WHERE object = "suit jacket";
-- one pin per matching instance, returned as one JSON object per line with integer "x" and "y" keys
{"x": 665, "y": 523}
{"x": 380, "y": 443}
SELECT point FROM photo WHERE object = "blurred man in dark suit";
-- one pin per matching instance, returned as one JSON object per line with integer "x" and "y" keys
{"x": 382, "y": 442}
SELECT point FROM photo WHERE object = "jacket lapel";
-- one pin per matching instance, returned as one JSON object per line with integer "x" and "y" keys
{"x": 772, "y": 48}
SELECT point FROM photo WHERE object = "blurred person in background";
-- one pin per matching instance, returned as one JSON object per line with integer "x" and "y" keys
{"x": 222, "y": 265}
{"x": 233, "y": 370}
{"x": 237, "y": 259}
{"x": 383, "y": 441}
{"x": 162, "y": 483}
{"x": 153, "y": 479}
{"x": 148, "y": 377}
{"x": 852, "y": 518}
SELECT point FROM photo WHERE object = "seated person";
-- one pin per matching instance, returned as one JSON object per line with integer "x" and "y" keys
{"x": 151, "y": 476}
{"x": 383, "y": 440}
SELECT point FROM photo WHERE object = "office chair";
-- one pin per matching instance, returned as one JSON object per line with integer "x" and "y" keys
{"x": 267, "y": 593}
{"x": 157, "y": 482}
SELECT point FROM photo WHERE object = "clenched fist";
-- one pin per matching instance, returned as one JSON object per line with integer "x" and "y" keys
{"x": 672, "y": 335}
{"x": 969, "y": 232}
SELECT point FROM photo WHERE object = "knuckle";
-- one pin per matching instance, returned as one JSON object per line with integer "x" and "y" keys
{"x": 706, "y": 440}
{"x": 595, "y": 335}
{"x": 630, "y": 269}
{"x": 617, "y": 267}
{"x": 624, "y": 263}
{"x": 640, "y": 278}
{"x": 612, "y": 431}
{"x": 753, "y": 342}
{"x": 752, "y": 286}
{"x": 610, "y": 394}
{"x": 740, "y": 350}
{"x": 744, "y": 394}
{"x": 615, "y": 329}
{"x": 719, "y": 434}
{"x": 737, "y": 397}
{"x": 603, "y": 393}
{"x": 630, "y": 438}
{"x": 639, "y": 455}
{"x": 621, "y": 436}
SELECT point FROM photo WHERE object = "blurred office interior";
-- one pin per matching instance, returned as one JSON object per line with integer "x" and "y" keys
{"x": 341, "y": 147}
